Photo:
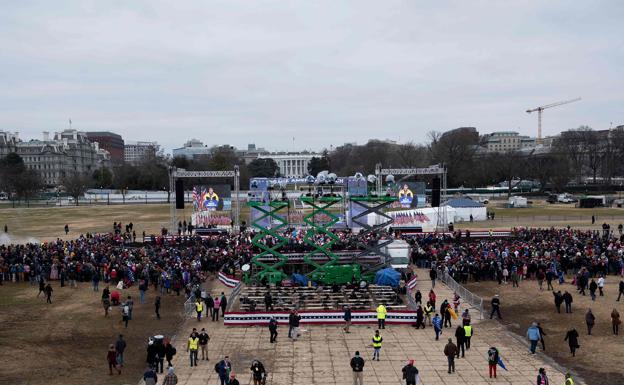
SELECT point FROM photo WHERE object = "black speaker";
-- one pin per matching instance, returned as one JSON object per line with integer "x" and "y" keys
{"x": 179, "y": 187}
{"x": 435, "y": 193}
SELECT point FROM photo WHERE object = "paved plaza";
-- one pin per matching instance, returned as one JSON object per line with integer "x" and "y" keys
{"x": 321, "y": 355}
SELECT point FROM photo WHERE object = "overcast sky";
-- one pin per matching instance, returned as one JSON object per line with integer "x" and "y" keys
{"x": 323, "y": 72}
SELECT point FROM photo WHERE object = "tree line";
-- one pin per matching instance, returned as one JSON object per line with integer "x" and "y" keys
{"x": 574, "y": 156}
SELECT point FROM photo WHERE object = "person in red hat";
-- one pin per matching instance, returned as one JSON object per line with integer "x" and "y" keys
{"x": 410, "y": 373}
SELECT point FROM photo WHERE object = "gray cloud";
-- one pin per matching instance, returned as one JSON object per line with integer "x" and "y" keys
{"x": 324, "y": 72}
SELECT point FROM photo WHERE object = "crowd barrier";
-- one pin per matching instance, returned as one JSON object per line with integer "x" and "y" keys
{"x": 322, "y": 317}
{"x": 466, "y": 295}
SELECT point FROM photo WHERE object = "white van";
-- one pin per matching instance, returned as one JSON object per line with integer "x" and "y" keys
{"x": 399, "y": 252}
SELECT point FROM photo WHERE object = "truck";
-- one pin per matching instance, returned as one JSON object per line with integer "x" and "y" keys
{"x": 566, "y": 198}
{"x": 399, "y": 252}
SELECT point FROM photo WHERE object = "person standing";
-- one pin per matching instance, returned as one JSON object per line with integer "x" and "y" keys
{"x": 410, "y": 373}
{"x": 273, "y": 330}
{"x": 542, "y": 378}
{"x": 533, "y": 335}
{"x": 432, "y": 298}
{"x": 381, "y": 316}
{"x": 377, "y": 340}
{"x": 209, "y": 306}
{"x": 357, "y": 365}
{"x": 120, "y": 348}
{"x": 170, "y": 378}
{"x": 125, "y": 314}
{"x": 590, "y": 320}
{"x": 437, "y": 325}
{"x": 460, "y": 335}
{"x": 418, "y": 297}
{"x": 66, "y": 229}
{"x": 161, "y": 352}
{"x": 567, "y": 299}
{"x": 468, "y": 332}
{"x": 257, "y": 372}
{"x": 428, "y": 311}
{"x": 142, "y": 289}
{"x": 48, "y": 292}
{"x": 450, "y": 351}
{"x": 558, "y": 300}
{"x": 203, "y": 344}
{"x": 224, "y": 368}
{"x": 296, "y": 321}
{"x": 495, "y": 307}
{"x": 170, "y": 352}
{"x": 601, "y": 283}
{"x": 111, "y": 358}
{"x": 420, "y": 318}
{"x": 268, "y": 301}
{"x": 593, "y": 286}
{"x": 433, "y": 275}
{"x": 572, "y": 338}
{"x": 492, "y": 360}
{"x": 157, "y": 306}
{"x": 130, "y": 304}
{"x": 620, "y": 290}
{"x": 199, "y": 309}
{"x": 347, "y": 318}
{"x": 192, "y": 347}
{"x": 615, "y": 321}
{"x": 42, "y": 287}
{"x": 223, "y": 304}
{"x": 542, "y": 334}
{"x": 95, "y": 279}
{"x": 216, "y": 308}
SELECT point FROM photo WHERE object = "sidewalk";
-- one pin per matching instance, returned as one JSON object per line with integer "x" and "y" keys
{"x": 322, "y": 353}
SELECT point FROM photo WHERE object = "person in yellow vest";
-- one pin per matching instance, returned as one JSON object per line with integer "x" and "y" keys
{"x": 568, "y": 379}
{"x": 376, "y": 345}
{"x": 468, "y": 333}
{"x": 381, "y": 316}
{"x": 192, "y": 347}
{"x": 199, "y": 308}
{"x": 428, "y": 311}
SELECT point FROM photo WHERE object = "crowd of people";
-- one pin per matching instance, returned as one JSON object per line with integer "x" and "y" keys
{"x": 179, "y": 264}
{"x": 527, "y": 253}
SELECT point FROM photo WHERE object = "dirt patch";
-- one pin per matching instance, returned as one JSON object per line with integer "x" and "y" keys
{"x": 66, "y": 342}
{"x": 598, "y": 359}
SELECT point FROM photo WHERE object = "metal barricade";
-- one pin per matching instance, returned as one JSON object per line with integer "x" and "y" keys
{"x": 235, "y": 292}
{"x": 474, "y": 300}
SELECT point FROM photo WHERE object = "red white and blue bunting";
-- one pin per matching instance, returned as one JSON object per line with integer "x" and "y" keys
{"x": 322, "y": 317}
{"x": 227, "y": 280}
{"x": 411, "y": 284}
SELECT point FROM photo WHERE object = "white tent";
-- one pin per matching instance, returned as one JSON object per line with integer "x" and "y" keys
{"x": 517, "y": 201}
{"x": 465, "y": 207}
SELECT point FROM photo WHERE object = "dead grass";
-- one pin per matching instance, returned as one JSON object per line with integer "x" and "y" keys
{"x": 598, "y": 359}
{"x": 66, "y": 342}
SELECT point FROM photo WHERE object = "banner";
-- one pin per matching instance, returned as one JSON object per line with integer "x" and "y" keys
{"x": 227, "y": 280}
{"x": 312, "y": 317}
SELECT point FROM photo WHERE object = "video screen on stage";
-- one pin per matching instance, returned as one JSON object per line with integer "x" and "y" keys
{"x": 410, "y": 194}
{"x": 216, "y": 197}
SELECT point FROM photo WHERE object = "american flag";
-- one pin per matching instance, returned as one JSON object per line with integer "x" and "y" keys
{"x": 195, "y": 198}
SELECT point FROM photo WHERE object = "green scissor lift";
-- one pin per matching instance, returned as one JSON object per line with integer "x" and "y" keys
{"x": 329, "y": 272}
{"x": 269, "y": 272}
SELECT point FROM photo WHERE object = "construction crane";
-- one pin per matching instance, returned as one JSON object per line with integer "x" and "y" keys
{"x": 539, "y": 115}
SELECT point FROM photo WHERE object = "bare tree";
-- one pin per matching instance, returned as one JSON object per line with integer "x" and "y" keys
{"x": 75, "y": 184}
